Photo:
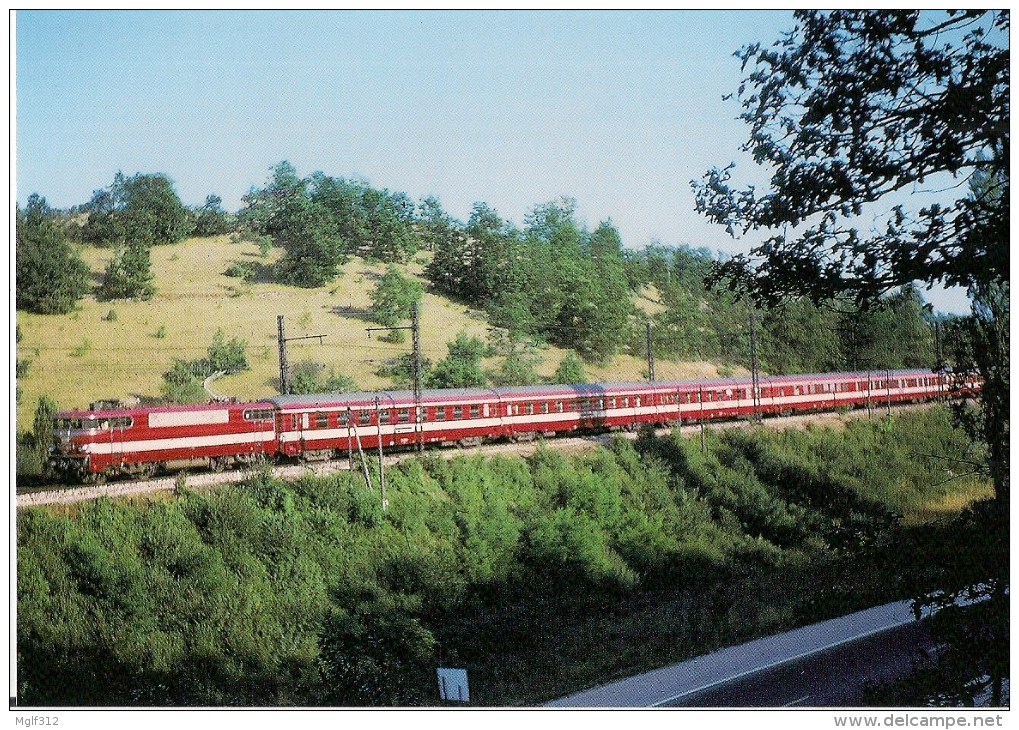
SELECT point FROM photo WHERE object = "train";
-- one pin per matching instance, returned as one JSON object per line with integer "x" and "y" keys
{"x": 95, "y": 444}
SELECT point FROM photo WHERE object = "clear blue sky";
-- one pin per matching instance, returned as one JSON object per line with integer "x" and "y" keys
{"x": 619, "y": 110}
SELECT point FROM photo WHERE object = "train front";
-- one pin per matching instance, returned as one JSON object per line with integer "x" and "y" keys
{"x": 74, "y": 432}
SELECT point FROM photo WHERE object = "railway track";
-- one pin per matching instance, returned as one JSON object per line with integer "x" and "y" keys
{"x": 69, "y": 494}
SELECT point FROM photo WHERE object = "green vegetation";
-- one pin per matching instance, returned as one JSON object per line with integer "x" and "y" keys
{"x": 143, "y": 209}
{"x": 393, "y": 300}
{"x": 50, "y": 274}
{"x": 183, "y": 382}
{"x": 313, "y": 377}
{"x": 541, "y": 575}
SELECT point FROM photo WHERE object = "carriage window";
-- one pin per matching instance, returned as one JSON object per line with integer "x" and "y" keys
{"x": 365, "y": 417}
{"x": 258, "y": 414}
{"x": 626, "y": 401}
{"x": 321, "y": 420}
{"x": 559, "y": 406}
{"x": 343, "y": 418}
{"x": 383, "y": 416}
{"x": 612, "y": 402}
{"x": 121, "y": 422}
{"x": 475, "y": 411}
{"x": 636, "y": 401}
{"x": 544, "y": 407}
{"x": 529, "y": 409}
{"x": 404, "y": 415}
{"x": 601, "y": 404}
{"x": 458, "y": 412}
{"x": 440, "y": 414}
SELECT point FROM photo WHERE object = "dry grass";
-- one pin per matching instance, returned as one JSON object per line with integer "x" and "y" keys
{"x": 82, "y": 357}
{"x": 964, "y": 493}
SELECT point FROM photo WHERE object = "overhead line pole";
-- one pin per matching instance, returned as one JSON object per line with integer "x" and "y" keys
{"x": 755, "y": 376}
{"x": 650, "y": 354}
{"x": 415, "y": 329}
{"x": 282, "y": 342}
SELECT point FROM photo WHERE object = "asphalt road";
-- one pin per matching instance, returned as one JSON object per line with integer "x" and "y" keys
{"x": 835, "y": 677}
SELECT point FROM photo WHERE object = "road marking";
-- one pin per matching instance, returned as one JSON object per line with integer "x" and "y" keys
{"x": 796, "y": 702}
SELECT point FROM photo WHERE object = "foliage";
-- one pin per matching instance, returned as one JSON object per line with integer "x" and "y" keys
{"x": 285, "y": 211}
{"x": 141, "y": 210}
{"x": 461, "y": 368}
{"x": 211, "y": 219}
{"x": 319, "y": 221}
{"x": 848, "y": 109}
{"x": 570, "y": 371}
{"x": 228, "y": 356}
{"x": 401, "y": 370}
{"x": 856, "y": 109}
{"x": 307, "y": 593}
{"x": 50, "y": 275}
{"x": 128, "y": 275}
{"x": 183, "y": 382}
{"x": 394, "y": 298}
{"x": 312, "y": 377}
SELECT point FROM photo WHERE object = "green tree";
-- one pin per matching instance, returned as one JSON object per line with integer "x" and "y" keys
{"x": 435, "y": 226}
{"x": 461, "y": 368}
{"x": 143, "y": 208}
{"x": 850, "y": 110}
{"x": 50, "y": 276}
{"x": 394, "y": 298}
{"x": 570, "y": 371}
{"x": 799, "y": 336}
{"x": 211, "y": 219}
{"x": 42, "y": 431}
{"x": 303, "y": 227}
{"x": 312, "y": 377}
{"x": 230, "y": 356}
{"x": 129, "y": 274}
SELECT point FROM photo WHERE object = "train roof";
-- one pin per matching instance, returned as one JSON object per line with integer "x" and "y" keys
{"x": 163, "y": 408}
{"x": 469, "y": 395}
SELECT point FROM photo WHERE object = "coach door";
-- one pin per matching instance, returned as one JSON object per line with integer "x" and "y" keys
{"x": 303, "y": 426}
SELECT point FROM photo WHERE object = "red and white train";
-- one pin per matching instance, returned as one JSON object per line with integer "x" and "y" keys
{"x": 140, "y": 441}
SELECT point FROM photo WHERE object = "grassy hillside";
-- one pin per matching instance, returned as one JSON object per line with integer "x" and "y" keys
{"x": 90, "y": 355}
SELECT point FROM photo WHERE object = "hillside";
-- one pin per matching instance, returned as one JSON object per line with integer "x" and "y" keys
{"x": 89, "y": 355}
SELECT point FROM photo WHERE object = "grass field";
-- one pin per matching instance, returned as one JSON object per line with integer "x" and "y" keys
{"x": 90, "y": 355}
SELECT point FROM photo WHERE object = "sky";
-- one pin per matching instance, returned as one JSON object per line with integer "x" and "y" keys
{"x": 619, "y": 110}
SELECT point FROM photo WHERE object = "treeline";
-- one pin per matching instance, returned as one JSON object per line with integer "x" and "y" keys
{"x": 550, "y": 281}
{"x": 540, "y": 575}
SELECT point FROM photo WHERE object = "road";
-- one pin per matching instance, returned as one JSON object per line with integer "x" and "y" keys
{"x": 836, "y": 677}
{"x": 822, "y": 664}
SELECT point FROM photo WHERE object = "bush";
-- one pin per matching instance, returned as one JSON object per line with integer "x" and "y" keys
{"x": 240, "y": 270}
{"x": 311, "y": 377}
